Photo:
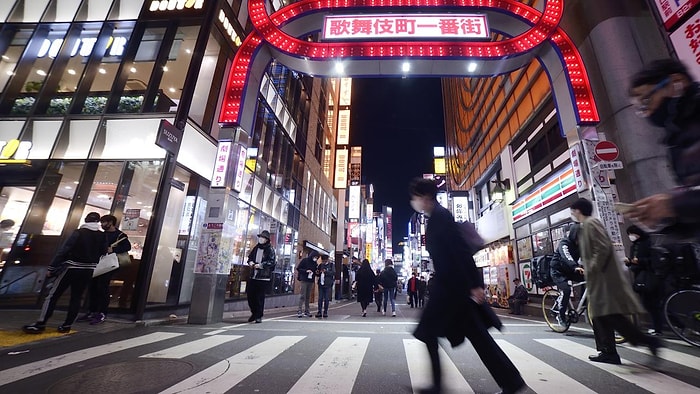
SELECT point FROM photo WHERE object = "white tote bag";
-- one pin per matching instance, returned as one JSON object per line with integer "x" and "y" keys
{"x": 108, "y": 262}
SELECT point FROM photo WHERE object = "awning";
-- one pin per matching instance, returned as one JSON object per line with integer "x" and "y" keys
{"x": 315, "y": 247}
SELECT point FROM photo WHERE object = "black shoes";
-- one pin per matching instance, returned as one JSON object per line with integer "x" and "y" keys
{"x": 36, "y": 328}
{"x": 318, "y": 315}
{"x": 608, "y": 358}
{"x": 251, "y": 319}
{"x": 63, "y": 329}
{"x": 654, "y": 345}
{"x": 258, "y": 320}
{"x": 86, "y": 317}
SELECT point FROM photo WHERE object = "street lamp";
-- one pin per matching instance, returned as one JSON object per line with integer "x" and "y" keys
{"x": 498, "y": 192}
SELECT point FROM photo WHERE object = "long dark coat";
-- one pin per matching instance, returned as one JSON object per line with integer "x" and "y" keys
{"x": 366, "y": 280}
{"x": 450, "y": 312}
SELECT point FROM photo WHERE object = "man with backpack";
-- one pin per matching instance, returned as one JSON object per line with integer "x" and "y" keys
{"x": 565, "y": 267}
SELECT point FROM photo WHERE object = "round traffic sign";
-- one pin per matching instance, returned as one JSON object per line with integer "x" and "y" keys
{"x": 606, "y": 151}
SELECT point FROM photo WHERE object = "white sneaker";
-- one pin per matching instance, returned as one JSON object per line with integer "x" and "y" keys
{"x": 393, "y": 314}
{"x": 383, "y": 313}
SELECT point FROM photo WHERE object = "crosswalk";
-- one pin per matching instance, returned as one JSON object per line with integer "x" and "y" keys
{"x": 342, "y": 364}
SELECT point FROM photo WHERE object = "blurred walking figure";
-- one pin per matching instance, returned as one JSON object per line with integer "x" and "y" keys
{"x": 306, "y": 272}
{"x": 647, "y": 282}
{"x": 412, "y": 289}
{"x": 422, "y": 288}
{"x": 665, "y": 94}
{"x": 365, "y": 279}
{"x": 326, "y": 276}
{"x": 455, "y": 308}
{"x": 72, "y": 266}
{"x": 610, "y": 297}
{"x": 388, "y": 279}
{"x": 262, "y": 262}
{"x": 378, "y": 291}
{"x": 98, "y": 291}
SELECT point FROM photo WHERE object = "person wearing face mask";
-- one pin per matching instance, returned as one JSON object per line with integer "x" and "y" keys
{"x": 455, "y": 308}
{"x": 647, "y": 281}
{"x": 665, "y": 94}
{"x": 306, "y": 271}
{"x": 262, "y": 265}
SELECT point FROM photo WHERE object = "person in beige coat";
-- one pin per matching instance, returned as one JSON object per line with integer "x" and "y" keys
{"x": 610, "y": 295}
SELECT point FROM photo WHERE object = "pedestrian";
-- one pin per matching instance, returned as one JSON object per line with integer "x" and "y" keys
{"x": 565, "y": 267}
{"x": 412, "y": 289}
{"x": 389, "y": 279}
{"x": 518, "y": 298}
{"x": 378, "y": 291}
{"x": 454, "y": 308}
{"x": 262, "y": 261}
{"x": 306, "y": 271}
{"x": 72, "y": 267}
{"x": 326, "y": 276}
{"x": 610, "y": 296}
{"x": 665, "y": 93}
{"x": 422, "y": 287}
{"x": 648, "y": 283}
{"x": 366, "y": 281}
{"x": 98, "y": 290}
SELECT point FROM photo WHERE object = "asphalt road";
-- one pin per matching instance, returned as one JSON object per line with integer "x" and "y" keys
{"x": 345, "y": 353}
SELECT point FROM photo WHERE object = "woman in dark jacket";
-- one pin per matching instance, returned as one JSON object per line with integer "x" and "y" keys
{"x": 365, "y": 285}
{"x": 646, "y": 281}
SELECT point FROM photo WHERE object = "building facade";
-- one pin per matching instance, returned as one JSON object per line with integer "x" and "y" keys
{"x": 88, "y": 87}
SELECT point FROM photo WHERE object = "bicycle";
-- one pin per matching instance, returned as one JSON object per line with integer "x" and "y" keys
{"x": 682, "y": 312}
{"x": 550, "y": 308}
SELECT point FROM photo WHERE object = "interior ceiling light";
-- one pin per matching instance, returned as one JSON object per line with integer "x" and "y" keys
{"x": 406, "y": 67}
{"x": 132, "y": 69}
{"x": 71, "y": 71}
{"x": 471, "y": 67}
{"x": 165, "y": 68}
{"x": 102, "y": 71}
{"x": 41, "y": 72}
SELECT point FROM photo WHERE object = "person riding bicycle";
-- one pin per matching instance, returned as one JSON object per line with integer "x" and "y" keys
{"x": 565, "y": 267}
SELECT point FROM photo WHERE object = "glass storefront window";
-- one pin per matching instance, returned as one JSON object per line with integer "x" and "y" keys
{"x": 93, "y": 10}
{"x": 542, "y": 243}
{"x": 42, "y": 134}
{"x": 524, "y": 249}
{"x": 163, "y": 289}
{"x": 76, "y": 139}
{"x": 193, "y": 217}
{"x": 175, "y": 69}
{"x": 126, "y": 9}
{"x": 11, "y": 56}
{"x": 140, "y": 71}
{"x": 14, "y": 204}
{"x": 104, "y": 188}
{"x": 205, "y": 82}
{"x": 61, "y": 11}
{"x": 63, "y": 180}
{"x": 128, "y": 139}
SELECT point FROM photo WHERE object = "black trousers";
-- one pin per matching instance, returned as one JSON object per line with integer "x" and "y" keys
{"x": 256, "y": 297}
{"x": 413, "y": 296}
{"x": 75, "y": 278}
{"x": 378, "y": 298}
{"x": 604, "y": 328}
{"x": 99, "y": 293}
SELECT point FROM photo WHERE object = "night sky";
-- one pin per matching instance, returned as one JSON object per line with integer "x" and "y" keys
{"x": 397, "y": 122}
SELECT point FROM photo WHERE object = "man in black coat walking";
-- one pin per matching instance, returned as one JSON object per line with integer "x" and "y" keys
{"x": 454, "y": 307}
{"x": 262, "y": 262}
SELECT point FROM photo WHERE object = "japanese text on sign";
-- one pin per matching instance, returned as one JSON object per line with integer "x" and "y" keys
{"x": 672, "y": 11}
{"x": 405, "y": 26}
{"x": 221, "y": 165}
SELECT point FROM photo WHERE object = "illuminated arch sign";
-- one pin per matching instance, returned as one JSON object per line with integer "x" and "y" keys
{"x": 363, "y": 27}
{"x": 283, "y": 35}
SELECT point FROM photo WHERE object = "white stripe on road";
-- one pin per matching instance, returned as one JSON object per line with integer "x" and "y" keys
{"x": 189, "y": 348}
{"x": 671, "y": 355}
{"x": 215, "y": 332}
{"x": 420, "y": 370}
{"x": 540, "y": 376}
{"x": 637, "y": 374}
{"x": 365, "y": 322}
{"x": 35, "y": 368}
{"x": 225, "y": 374}
{"x": 335, "y": 371}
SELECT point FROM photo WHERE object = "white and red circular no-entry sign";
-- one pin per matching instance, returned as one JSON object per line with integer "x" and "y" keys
{"x": 606, "y": 151}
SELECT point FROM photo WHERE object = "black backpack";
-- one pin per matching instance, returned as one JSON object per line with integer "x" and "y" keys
{"x": 540, "y": 271}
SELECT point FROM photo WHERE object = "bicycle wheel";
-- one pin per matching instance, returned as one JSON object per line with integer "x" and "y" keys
{"x": 682, "y": 311}
{"x": 550, "y": 310}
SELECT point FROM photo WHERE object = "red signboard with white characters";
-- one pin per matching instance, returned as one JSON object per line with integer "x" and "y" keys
{"x": 672, "y": 11}
{"x": 405, "y": 26}
{"x": 606, "y": 151}
{"x": 686, "y": 41}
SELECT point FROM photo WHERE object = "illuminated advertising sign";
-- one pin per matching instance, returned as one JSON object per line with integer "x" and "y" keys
{"x": 354, "y": 202}
{"x": 393, "y": 26}
{"x": 343, "y": 127}
{"x": 672, "y": 11}
{"x": 439, "y": 164}
{"x": 340, "y": 179}
{"x": 172, "y": 5}
{"x": 82, "y": 46}
{"x": 685, "y": 40}
{"x": 15, "y": 152}
{"x": 460, "y": 208}
{"x": 223, "y": 153}
{"x": 241, "y": 157}
{"x": 554, "y": 189}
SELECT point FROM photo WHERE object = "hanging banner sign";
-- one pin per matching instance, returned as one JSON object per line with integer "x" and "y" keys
{"x": 392, "y": 26}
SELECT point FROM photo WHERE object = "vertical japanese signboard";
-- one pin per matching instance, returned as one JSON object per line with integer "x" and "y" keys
{"x": 686, "y": 41}
{"x": 340, "y": 179}
{"x": 223, "y": 154}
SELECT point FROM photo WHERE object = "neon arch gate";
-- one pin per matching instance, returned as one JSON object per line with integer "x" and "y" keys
{"x": 533, "y": 34}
